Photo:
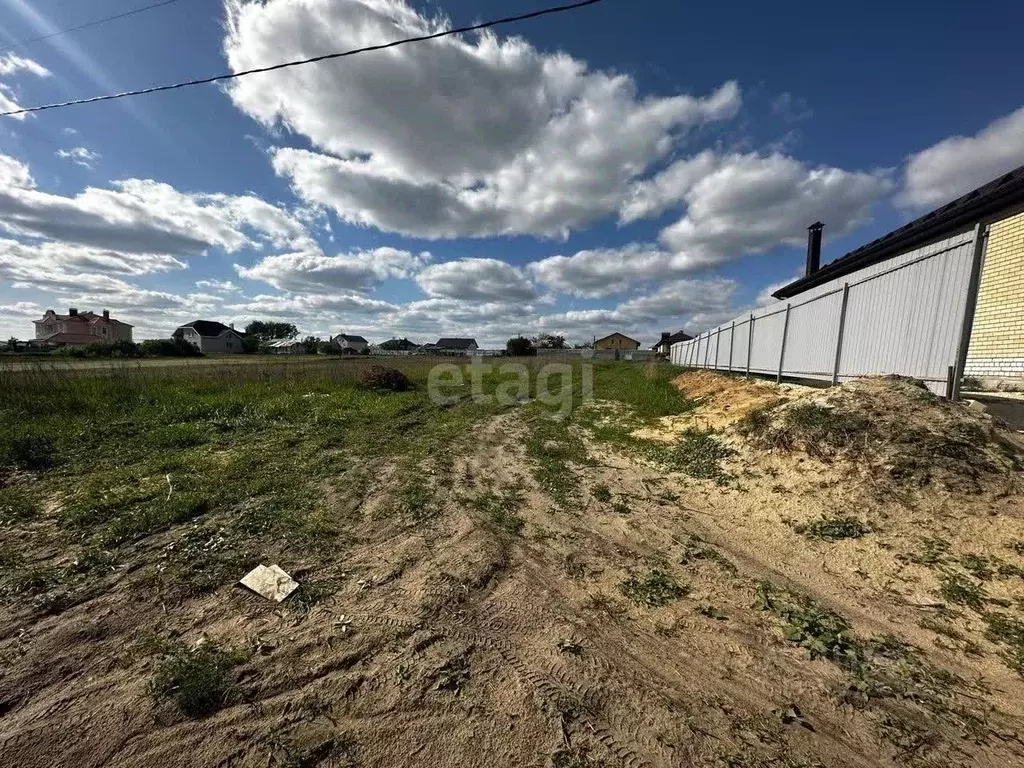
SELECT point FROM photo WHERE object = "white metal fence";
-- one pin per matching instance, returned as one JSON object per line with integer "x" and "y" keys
{"x": 905, "y": 315}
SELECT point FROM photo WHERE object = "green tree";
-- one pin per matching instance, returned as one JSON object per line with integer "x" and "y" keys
{"x": 311, "y": 344}
{"x": 550, "y": 341}
{"x": 268, "y": 330}
{"x": 519, "y": 346}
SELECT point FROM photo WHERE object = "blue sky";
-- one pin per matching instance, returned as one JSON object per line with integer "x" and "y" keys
{"x": 631, "y": 166}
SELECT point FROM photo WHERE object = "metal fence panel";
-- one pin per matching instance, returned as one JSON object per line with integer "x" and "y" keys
{"x": 764, "y": 354}
{"x": 739, "y": 358}
{"x": 903, "y": 315}
{"x": 812, "y": 335}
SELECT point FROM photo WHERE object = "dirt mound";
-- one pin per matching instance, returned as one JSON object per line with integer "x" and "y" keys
{"x": 892, "y": 428}
{"x": 721, "y": 401}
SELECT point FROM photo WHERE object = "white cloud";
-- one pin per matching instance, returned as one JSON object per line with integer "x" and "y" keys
{"x": 315, "y": 272}
{"x": 12, "y": 63}
{"x": 143, "y": 216}
{"x": 79, "y": 156}
{"x": 734, "y": 205}
{"x": 958, "y": 164}
{"x": 218, "y": 286}
{"x": 35, "y": 263}
{"x": 476, "y": 279}
{"x": 791, "y": 108}
{"x": 459, "y": 137}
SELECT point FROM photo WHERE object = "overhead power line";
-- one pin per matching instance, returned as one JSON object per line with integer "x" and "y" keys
{"x": 86, "y": 25}
{"x": 313, "y": 60}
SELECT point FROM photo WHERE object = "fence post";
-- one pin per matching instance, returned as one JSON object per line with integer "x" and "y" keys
{"x": 718, "y": 346}
{"x": 707, "y": 349}
{"x": 980, "y": 239}
{"x": 750, "y": 342}
{"x": 839, "y": 338}
{"x": 782, "y": 349}
{"x": 732, "y": 343}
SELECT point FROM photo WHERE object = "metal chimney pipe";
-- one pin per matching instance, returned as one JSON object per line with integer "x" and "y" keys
{"x": 813, "y": 248}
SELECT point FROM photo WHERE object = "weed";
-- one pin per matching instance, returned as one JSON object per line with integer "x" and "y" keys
{"x": 699, "y": 455}
{"x": 933, "y": 551}
{"x": 655, "y": 589}
{"x": 36, "y": 581}
{"x": 1009, "y": 632}
{"x": 979, "y": 566}
{"x": 601, "y": 493}
{"x": 696, "y": 550}
{"x": 29, "y": 451}
{"x": 16, "y": 505}
{"x": 570, "y": 647}
{"x": 605, "y": 604}
{"x": 818, "y": 429}
{"x": 453, "y": 676}
{"x": 621, "y": 508}
{"x": 555, "y": 449}
{"x": 414, "y": 499}
{"x": 501, "y": 510}
{"x": 712, "y": 613}
{"x": 957, "y": 588}
{"x": 573, "y": 568}
{"x": 821, "y": 632}
{"x": 833, "y": 528}
{"x": 198, "y": 681}
{"x": 1016, "y": 546}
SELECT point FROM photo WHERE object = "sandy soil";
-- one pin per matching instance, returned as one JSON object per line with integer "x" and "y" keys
{"x": 457, "y": 643}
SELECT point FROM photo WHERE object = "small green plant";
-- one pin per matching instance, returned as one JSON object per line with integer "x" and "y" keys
{"x": 656, "y": 589}
{"x": 501, "y": 509}
{"x": 621, "y": 508}
{"x": 957, "y": 588}
{"x": 979, "y": 566}
{"x": 699, "y": 454}
{"x": 16, "y": 505}
{"x": 198, "y": 680}
{"x": 1009, "y": 632}
{"x": 453, "y": 676}
{"x": 1016, "y": 546}
{"x": 933, "y": 551}
{"x": 712, "y": 613}
{"x": 833, "y": 528}
{"x": 697, "y": 550}
{"x": 30, "y": 451}
{"x": 601, "y": 493}
{"x": 574, "y": 757}
{"x": 823, "y": 634}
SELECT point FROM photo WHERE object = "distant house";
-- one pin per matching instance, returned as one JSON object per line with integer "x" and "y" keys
{"x": 398, "y": 345}
{"x": 211, "y": 337}
{"x": 77, "y": 329}
{"x": 350, "y": 344}
{"x": 664, "y": 345}
{"x": 286, "y": 347}
{"x": 453, "y": 345}
{"x": 617, "y": 341}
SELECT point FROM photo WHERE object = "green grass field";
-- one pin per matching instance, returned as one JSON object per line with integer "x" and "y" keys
{"x": 254, "y": 453}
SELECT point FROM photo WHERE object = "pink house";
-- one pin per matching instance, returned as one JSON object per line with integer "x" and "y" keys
{"x": 80, "y": 328}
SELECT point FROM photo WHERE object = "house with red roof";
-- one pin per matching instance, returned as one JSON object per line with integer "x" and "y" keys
{"x": 77, "y": 329}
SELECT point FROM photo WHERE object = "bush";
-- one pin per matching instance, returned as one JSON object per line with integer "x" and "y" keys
{"x": 198, "y": 681}
{"x": 520, "y": 346}
{"x": 120, "y": 348}
{"x": 168, "y": 348}
{"x": 32, "y": 451}
{"x": 383, "y": 377}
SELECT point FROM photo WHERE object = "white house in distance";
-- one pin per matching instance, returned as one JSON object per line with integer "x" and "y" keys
{"x": 211, "y": 337}
{"x": 350, "y": 344}
{"x": 80, "y": 328}
{"x": 286, "y": 347}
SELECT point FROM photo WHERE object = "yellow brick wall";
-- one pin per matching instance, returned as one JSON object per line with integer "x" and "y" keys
{"x": 998, "y": 332}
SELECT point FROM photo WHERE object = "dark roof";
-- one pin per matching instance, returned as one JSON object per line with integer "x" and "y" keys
{"x": 673, "y": 339}
{"x": 348, "y": 337}
{"x": 992, "y": 198}
{"x": 453, "y": 343}
{"x": 208, "y": 328}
